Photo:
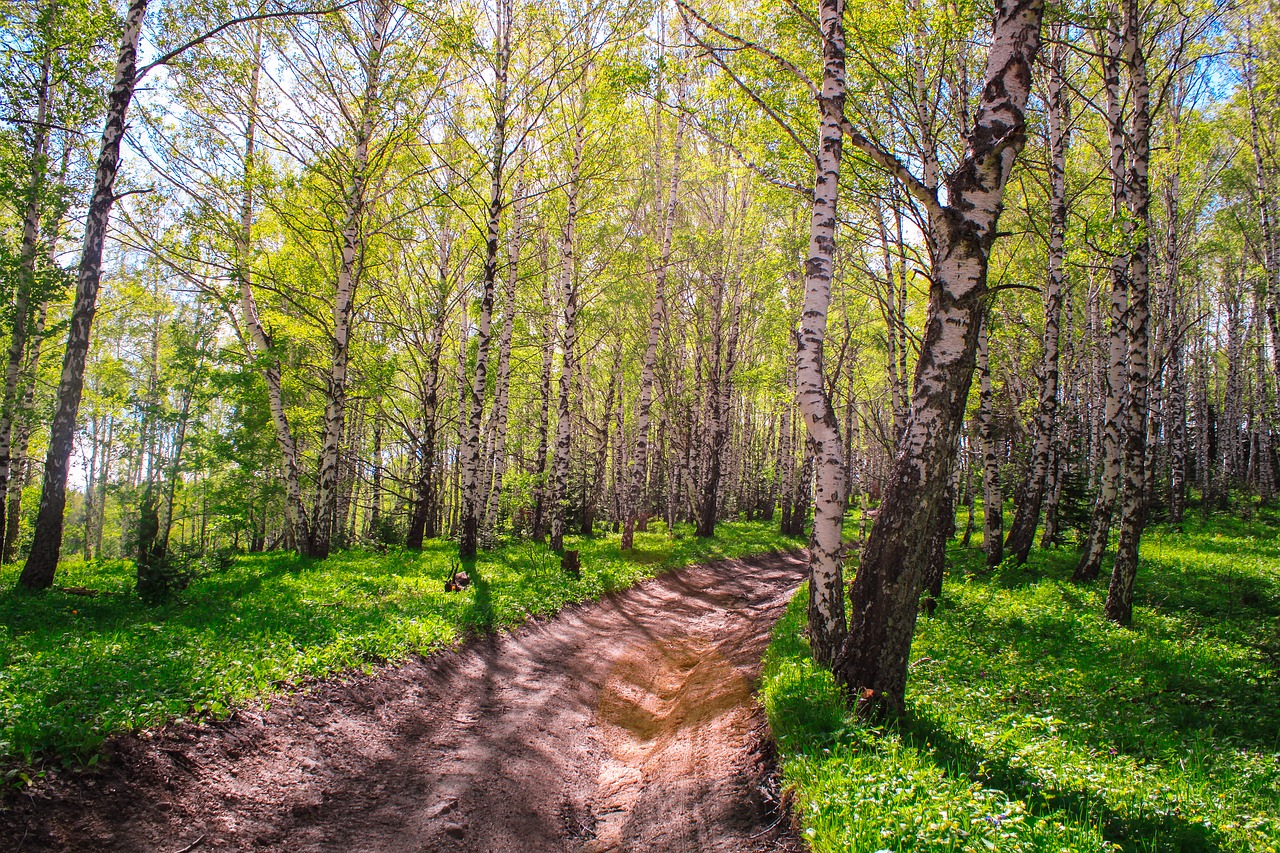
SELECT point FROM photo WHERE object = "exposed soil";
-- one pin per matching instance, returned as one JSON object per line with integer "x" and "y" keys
{"x": 625, "y": 724}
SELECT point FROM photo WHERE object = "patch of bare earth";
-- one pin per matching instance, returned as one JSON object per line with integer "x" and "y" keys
{"x": 626, "y": 724}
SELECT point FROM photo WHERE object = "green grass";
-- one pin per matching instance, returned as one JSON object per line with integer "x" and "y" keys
{"x": 1034, "y": 725}
{"x": 75, "y": 669}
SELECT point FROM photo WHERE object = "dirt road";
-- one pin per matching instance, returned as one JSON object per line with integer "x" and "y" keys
{"x": 625, "y": 724}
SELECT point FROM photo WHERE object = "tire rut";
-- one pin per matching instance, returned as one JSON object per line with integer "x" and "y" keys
{"x": 625, "y": 724}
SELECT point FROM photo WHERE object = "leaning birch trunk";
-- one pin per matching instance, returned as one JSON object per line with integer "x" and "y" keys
{"x": 1133, "y": 511}
{"x": 885, "y": 594}
{"x": 470, "y": 451}
{"x": 826, "y": 583}
{"x": 657, "y": 319}
{"x": 46, "y": 543}
{"x": 258, "y": 339}
{"x": 1022, "y": 532}
{"x": 1109, "y": 487}
{"x": 326, "y": 504}
{"x": 26, "y": 280}
{"x": 502, "y": 393}
{"x": 992, "y": 497}
{"x": 569, "y": 293}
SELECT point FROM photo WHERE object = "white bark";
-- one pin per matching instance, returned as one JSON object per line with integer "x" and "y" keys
{"x": 502, "y": 393}
{"x": 558, "y": 502}
{"x": 657, "y": 320}
{"x": 826, "y": 584}
{"x": 992, "y": 498}
{"x": 258, "y": 340}
{"x": 469, "y": 460}
{"x": 352, "y": 248}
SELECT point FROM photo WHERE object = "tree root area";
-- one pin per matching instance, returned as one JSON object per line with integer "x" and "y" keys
{"x": 626, "y": 724}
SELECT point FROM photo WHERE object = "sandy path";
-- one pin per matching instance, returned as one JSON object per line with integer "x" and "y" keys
{"x": 625, "y": 724}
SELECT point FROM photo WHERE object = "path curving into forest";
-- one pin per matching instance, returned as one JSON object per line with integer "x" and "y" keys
{"x": 624, "y": 724}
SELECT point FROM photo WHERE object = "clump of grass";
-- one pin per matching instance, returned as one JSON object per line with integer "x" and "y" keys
{"x": 1033, "y": 724}
{"x": 76, "y": 669}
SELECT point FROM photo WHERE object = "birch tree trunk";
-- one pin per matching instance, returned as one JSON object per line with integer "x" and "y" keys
{"x": 28, "y": 254}
{"x": 1233, "y": 394}
{"x": 1119, "y": 606}
{"x": 258, "y": 339}
{"x": 1109, "y": 487}
{"x": 544, "y": 412}
{"x": 326, "y": 503}
{"x": 1022, "y": 532}
{"x": 885, "y": 594}
{"x": 992, "y": 497}
{"x": 720, "y": 391}
{"x": 46, "y": 544}
{"x": 502, "y": 392}
{"x": 827, "y": 626}
{"x": 787, "y": 458}
{"x": 657, "y": 320}
{"x": 24, "y": 421}
{"x": 893, "y": 322}
{"x": 1176, "y": 409}
{"x": 1058, "y": 465}
{"x": 91, "y": 486}
{"x": 375, "y": 496}
{"x": 175, "y": 470}
{"x": 470, "y": 455}
{"x": 569, "y": 293}
{"x": 422, "y": 523}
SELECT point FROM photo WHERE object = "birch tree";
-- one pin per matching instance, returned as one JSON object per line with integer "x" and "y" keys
{"x": 1026, "y": 516}
{"x": 886, "y": 591}
{"x": 46, "y": 545}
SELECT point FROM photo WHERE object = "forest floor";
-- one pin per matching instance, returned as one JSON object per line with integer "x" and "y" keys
{"x": 624, "y": 724}
{"x": 1036, "y": 726}
{"x": 87, "y": 659}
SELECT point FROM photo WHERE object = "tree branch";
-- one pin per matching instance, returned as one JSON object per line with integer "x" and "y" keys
{"x": 895, "y": 167}
{"x": 783, "y": 63}
{"x": 166, "y": 58}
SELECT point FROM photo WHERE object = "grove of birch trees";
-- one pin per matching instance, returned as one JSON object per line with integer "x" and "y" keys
{"x": 367, "y": 274}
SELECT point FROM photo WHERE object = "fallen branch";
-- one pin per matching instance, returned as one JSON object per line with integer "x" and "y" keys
{"x": 80, "y": 590}
{"x": 192, "y": 846}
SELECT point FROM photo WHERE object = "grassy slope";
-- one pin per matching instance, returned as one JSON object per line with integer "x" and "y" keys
{"x": 75, "y": 669}
{"x": 1035, "y": 725}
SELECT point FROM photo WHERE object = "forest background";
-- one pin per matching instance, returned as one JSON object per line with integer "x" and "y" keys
{"x": 378, "y": 274}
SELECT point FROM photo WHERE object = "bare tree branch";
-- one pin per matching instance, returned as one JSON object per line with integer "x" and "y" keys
{"x": 166, "y": 58}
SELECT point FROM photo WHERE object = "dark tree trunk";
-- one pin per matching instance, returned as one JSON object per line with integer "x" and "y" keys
{"x": 46, "y": 544}
{"x": 885, "y": 594}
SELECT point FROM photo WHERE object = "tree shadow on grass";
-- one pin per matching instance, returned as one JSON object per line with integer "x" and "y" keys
{"x": 479, "y": 616}
{"x": 1132, "y": 832}
{"x": 644, "y": 557}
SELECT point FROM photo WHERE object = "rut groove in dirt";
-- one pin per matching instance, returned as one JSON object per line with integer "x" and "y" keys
{"x": 624, "y": 724}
